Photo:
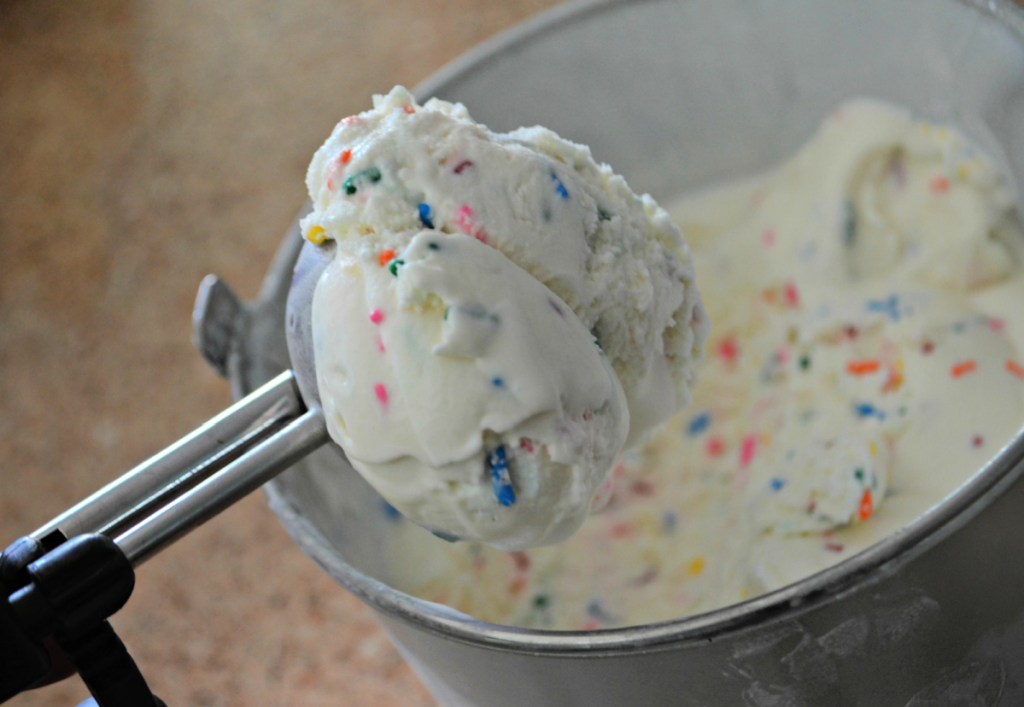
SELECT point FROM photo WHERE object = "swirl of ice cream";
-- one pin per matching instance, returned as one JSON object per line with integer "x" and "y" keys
{"x": 501, "y": 316}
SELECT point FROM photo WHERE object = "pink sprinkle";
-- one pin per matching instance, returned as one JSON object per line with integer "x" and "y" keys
{"x": 996, "y": 324}
{"x": 768, "y": 237}
{"x": 789, "y": 292}
{"x": 380, "y": 344}
{"x": 621, "y": 530}
{"x": 376, "y": 316}
{"x": 521, "y": 560}
{"x": 526, "y": 445}
{"x": 642, "y": 488}
{"x": 351, "y": 120}
{"x": 747, "y": 449}
{"x": 464, "y": 219}
{"x": 382, "y": 394}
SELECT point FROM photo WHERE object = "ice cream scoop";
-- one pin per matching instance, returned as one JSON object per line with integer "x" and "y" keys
{"x": 493, "y": 318}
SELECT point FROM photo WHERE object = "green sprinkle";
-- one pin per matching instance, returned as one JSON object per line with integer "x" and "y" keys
{"x": 541, "y": 601}
{"x": 370, "y": 174}
{"x": 394, "y": 265}
{"x": 805, "y": 363}
{"x": 858, "y": 474}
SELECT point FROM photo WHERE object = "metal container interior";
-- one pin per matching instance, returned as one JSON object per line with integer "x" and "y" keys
{"x": 678, "y": 95}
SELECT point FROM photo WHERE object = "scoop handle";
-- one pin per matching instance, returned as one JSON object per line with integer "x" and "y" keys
{"x": 199, "y": 476}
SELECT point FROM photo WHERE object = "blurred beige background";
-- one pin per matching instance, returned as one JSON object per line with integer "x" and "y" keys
{"x": 143, "y": 145}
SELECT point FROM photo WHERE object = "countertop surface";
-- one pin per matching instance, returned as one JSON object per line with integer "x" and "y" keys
{"x": 142, "y": 146}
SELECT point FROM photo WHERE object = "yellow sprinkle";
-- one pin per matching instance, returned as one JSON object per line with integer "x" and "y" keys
{"x": 696, "y": 566}
{"x": 316, "y": 235}
{"x": 873, "y": 449}
{"x": 963, "y": 172}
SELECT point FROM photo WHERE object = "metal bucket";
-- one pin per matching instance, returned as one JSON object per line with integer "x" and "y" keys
{"x": 676, "y": 95}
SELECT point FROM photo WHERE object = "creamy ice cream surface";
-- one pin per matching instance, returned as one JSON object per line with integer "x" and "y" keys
{"x": 865, "y": 360}
{"x": 500, "y": 317}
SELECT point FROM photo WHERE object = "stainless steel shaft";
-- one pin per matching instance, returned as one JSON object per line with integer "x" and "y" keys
{"x": 193, "y": 479}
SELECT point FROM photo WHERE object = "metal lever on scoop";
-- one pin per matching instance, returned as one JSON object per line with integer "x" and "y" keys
{"x": 199, "y": 476}
{"x": 61, "y": 583}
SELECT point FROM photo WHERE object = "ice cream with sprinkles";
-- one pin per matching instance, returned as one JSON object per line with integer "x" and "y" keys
{"x": 501, "y": 316}
{"x": 865, "y": 359}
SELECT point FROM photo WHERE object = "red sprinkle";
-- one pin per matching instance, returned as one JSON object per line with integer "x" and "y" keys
{"x": 642, "y": 488}
{"x": 385, "y": 257}
{"x": 728, "y": 350}
{"x": 851, "y": 331}
{"x": 996, "y": 324}
{"x": 526, "y": 445}
{"x": 1015, "y": 369}
{"x": 409, "y": 109}
{"x": 977, "y": 441}
{"x": 345, "y": 157}
{"x": 715, "y": 447}
{"x": 867, "y": 506}
{"x": 927, "y": 347}
{"x": 521, "y": 560}
{"x": 939, "y": 185}
{"x": 862, "y": 368}
{"x": 834, "y": 547}
{"x": 382, "y": 394}
{"x": 959, "y": 370}
{"x": 376, "y": 316}
{"x": 461, "y": 166}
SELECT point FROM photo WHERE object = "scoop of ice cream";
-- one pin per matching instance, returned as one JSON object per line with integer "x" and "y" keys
{"x": 502, "y": 316}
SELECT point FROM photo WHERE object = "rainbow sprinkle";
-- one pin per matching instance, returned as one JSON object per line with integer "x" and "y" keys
{"x": 560, "y": 189}
{"x": 370, "y": 174}
{"x": 501, "y": 480}
{"x": 424, "y": 211}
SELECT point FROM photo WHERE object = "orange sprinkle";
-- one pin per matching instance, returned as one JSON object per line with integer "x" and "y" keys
{"x": 409, "y": 109}
{"x": 1015, "y": 368}
{"x": 385, "y": 257}
{"x": 959, "y": 370}
{"x": 862, "y": 368}
{"x": 867, "y": 506}
{"x": 621, "y": 530}
{"x": 345, "y": 157}
{"x": 895, "y": 380}
{"x": 939, "y": 185}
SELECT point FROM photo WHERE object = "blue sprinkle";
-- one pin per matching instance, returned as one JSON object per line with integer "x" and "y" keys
{"x": 390, "y": 512}
{"x": 669, "y": 520}
{"x": 596, "y": 611}
{"x": 501, "y": 482}
{"x": 777, "y": 484}
{"x": 868, "y": 410}
{"x": 425, "y": 216}
{"x": 498, "y": 382}
{"x": 890, "y": 306}
{"x": 559, "y": 187}
{"x": 699, "y": 424}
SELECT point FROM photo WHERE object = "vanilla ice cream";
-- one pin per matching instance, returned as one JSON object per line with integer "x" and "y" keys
{"x": 500, "y": 317}
{"x": 865, "y": 360}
